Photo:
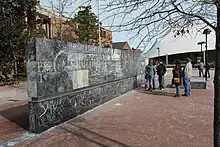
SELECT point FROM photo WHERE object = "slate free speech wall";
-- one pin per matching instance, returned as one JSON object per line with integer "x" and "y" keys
{"x": 66, "y": 79}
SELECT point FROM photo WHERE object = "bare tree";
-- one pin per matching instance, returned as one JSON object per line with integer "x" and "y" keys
{"x": 62, "y": 11}
{"x": 59, "y": 9}
{"x": 154, "y": 18}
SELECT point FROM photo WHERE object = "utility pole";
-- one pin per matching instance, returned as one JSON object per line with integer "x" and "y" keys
{"x": 99, "y": 30}
{"x": 206, "y": 32}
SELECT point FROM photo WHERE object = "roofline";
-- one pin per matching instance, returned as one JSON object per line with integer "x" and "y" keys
{"x": 106, "y": 29}
{"x": 121, "y": 42}
{"x": 180, "y": 53}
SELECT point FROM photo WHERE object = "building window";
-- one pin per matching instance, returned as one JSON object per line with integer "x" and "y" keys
{"x": 101, "y": 33}
{"x": 104, "y": 34}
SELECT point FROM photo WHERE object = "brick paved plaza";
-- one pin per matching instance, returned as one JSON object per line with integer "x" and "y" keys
{"x": 136, "y": 119}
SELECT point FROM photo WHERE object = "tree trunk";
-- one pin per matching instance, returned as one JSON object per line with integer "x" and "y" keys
{"x": 217, "y": 85}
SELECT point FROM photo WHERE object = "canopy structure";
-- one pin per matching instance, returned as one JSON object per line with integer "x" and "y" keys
{"x": 181, "y": 44}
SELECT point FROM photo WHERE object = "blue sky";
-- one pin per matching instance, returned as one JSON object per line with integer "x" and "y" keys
{"x": 168, "y": 45}
{"x": 117, "y": 36}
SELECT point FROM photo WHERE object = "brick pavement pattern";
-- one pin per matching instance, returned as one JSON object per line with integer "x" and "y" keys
{"x": 14, "y": 93}
{"x": 138, "y": 119}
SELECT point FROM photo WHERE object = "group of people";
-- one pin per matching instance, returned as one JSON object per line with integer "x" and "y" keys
{"x": 179, "y": 75}
{"x": 201, "y": 68}
{"x": 151, "y": 70}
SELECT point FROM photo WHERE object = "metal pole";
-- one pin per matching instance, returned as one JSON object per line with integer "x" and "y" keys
{"x": 201, "y": 47}
{"x": 99, "y": 25}
{"x": 202, "y": 54}
{"x": 206, "y": 62}
{"x": 167, "y": 60}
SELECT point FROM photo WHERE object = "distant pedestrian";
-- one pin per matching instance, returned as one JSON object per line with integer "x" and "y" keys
{"x": 155, "y": 71}
{"x": 161, "y": 71}
{"x": 201, "y": 68}
{"x": 177, "y": 72}
{"x": 208, "y": 67}
{"x": 149, "y": 75}
{"x": 187, "y": 74}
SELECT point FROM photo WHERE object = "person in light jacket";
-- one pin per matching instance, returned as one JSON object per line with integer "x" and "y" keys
{"x": 201, "y": 68}
{"x": 149, "y": 75}
{"x": 187, "y": 74}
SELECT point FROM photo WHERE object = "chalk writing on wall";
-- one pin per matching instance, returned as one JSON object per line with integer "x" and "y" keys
{"x": 45, "y": 114}
{"x": 63, "y": 67}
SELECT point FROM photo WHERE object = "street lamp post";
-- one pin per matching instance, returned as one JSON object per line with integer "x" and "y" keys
{"x": 158, "y": 49}
{"x": 206, "y": 32}
{"x": 201, "y": 43}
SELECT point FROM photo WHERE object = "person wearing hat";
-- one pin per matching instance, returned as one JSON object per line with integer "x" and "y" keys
{"x": 187, "y": 74}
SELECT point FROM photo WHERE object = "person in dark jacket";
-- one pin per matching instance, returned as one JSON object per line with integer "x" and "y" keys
{"x": 208, "y": 67}
{"x": 161, "y": 71}
{"x": 177, "y": 71}
{"x": 155, "y": 70}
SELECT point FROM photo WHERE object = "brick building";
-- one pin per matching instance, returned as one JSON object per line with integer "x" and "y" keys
{"x": 106, "y": 37}
{"x": 57, "y": 25}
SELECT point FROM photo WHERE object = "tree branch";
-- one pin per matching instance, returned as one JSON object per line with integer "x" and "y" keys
{"x": 194, "y": 15}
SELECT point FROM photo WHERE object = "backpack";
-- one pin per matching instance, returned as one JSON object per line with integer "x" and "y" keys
{"x": 208, "y": 66}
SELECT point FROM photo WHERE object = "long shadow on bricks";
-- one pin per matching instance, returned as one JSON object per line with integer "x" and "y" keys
{"x": 158, "y": 93}
{"x": 91, "y": 136}
{"x": 17, "y": 115}
{"x": 170, "y": 86}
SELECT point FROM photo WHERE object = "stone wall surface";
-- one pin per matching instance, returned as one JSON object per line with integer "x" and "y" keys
{"x": 47, "y": 113}
{"x": 55, "y": 67}
{"x": 66, "y": 79}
